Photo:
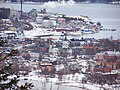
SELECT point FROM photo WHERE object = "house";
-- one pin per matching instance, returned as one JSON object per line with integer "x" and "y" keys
{"x": 47, "y": 68}
{"x": 88, "y": 50}
{"x": 117, "y": 44}
{"x": 102, "y": 69}
{"x": 5, "y": 13}
{"x": 110, "y": 59}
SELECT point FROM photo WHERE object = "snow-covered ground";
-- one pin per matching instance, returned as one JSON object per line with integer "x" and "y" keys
{"x": 68, "y": 82}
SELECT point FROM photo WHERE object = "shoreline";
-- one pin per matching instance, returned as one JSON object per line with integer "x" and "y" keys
{"x": 41, "y": 3}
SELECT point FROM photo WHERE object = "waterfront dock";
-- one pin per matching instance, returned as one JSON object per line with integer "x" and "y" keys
{"x": 103, "y": 29}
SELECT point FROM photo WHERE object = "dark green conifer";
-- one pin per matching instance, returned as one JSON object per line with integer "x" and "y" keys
{"x": 5, "y": 82}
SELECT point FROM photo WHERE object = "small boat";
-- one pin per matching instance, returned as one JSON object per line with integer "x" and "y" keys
{"x": 113, "y": 29}
{"x": 67, "y": 29}
{"x": 87, "y": 31}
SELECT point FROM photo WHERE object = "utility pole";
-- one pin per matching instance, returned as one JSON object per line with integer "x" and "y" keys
{"x": 51, "y": 86}
{"x": 21, "y": 7}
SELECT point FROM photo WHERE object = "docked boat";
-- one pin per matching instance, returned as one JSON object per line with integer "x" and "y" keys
{"x": 67, "y": 29}
{"x": 87, "y": 31}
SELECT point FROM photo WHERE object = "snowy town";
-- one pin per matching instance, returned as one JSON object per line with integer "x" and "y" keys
{"x": 51, "y": 48}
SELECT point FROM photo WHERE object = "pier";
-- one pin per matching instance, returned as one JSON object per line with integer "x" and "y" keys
{"x": 105, "y": 29}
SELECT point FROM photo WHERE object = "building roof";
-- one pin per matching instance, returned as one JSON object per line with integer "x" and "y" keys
{"x": 91, "y": 47}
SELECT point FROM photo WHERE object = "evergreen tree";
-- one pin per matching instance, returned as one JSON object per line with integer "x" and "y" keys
{"x": 5, "y": 82}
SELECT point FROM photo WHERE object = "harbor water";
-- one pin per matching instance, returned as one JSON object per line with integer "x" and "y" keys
{"x": 107, "y": 14}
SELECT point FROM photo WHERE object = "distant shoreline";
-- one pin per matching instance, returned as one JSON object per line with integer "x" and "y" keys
{"x": 33, "y": 3}
{"x": 37, "y": 3}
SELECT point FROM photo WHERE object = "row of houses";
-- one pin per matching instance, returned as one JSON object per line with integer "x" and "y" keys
{"x": 84, "y": 48}
{"x": 64, "y": 52}
{"x": 66, "y": 56}
{"x": 110, "y": 59}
